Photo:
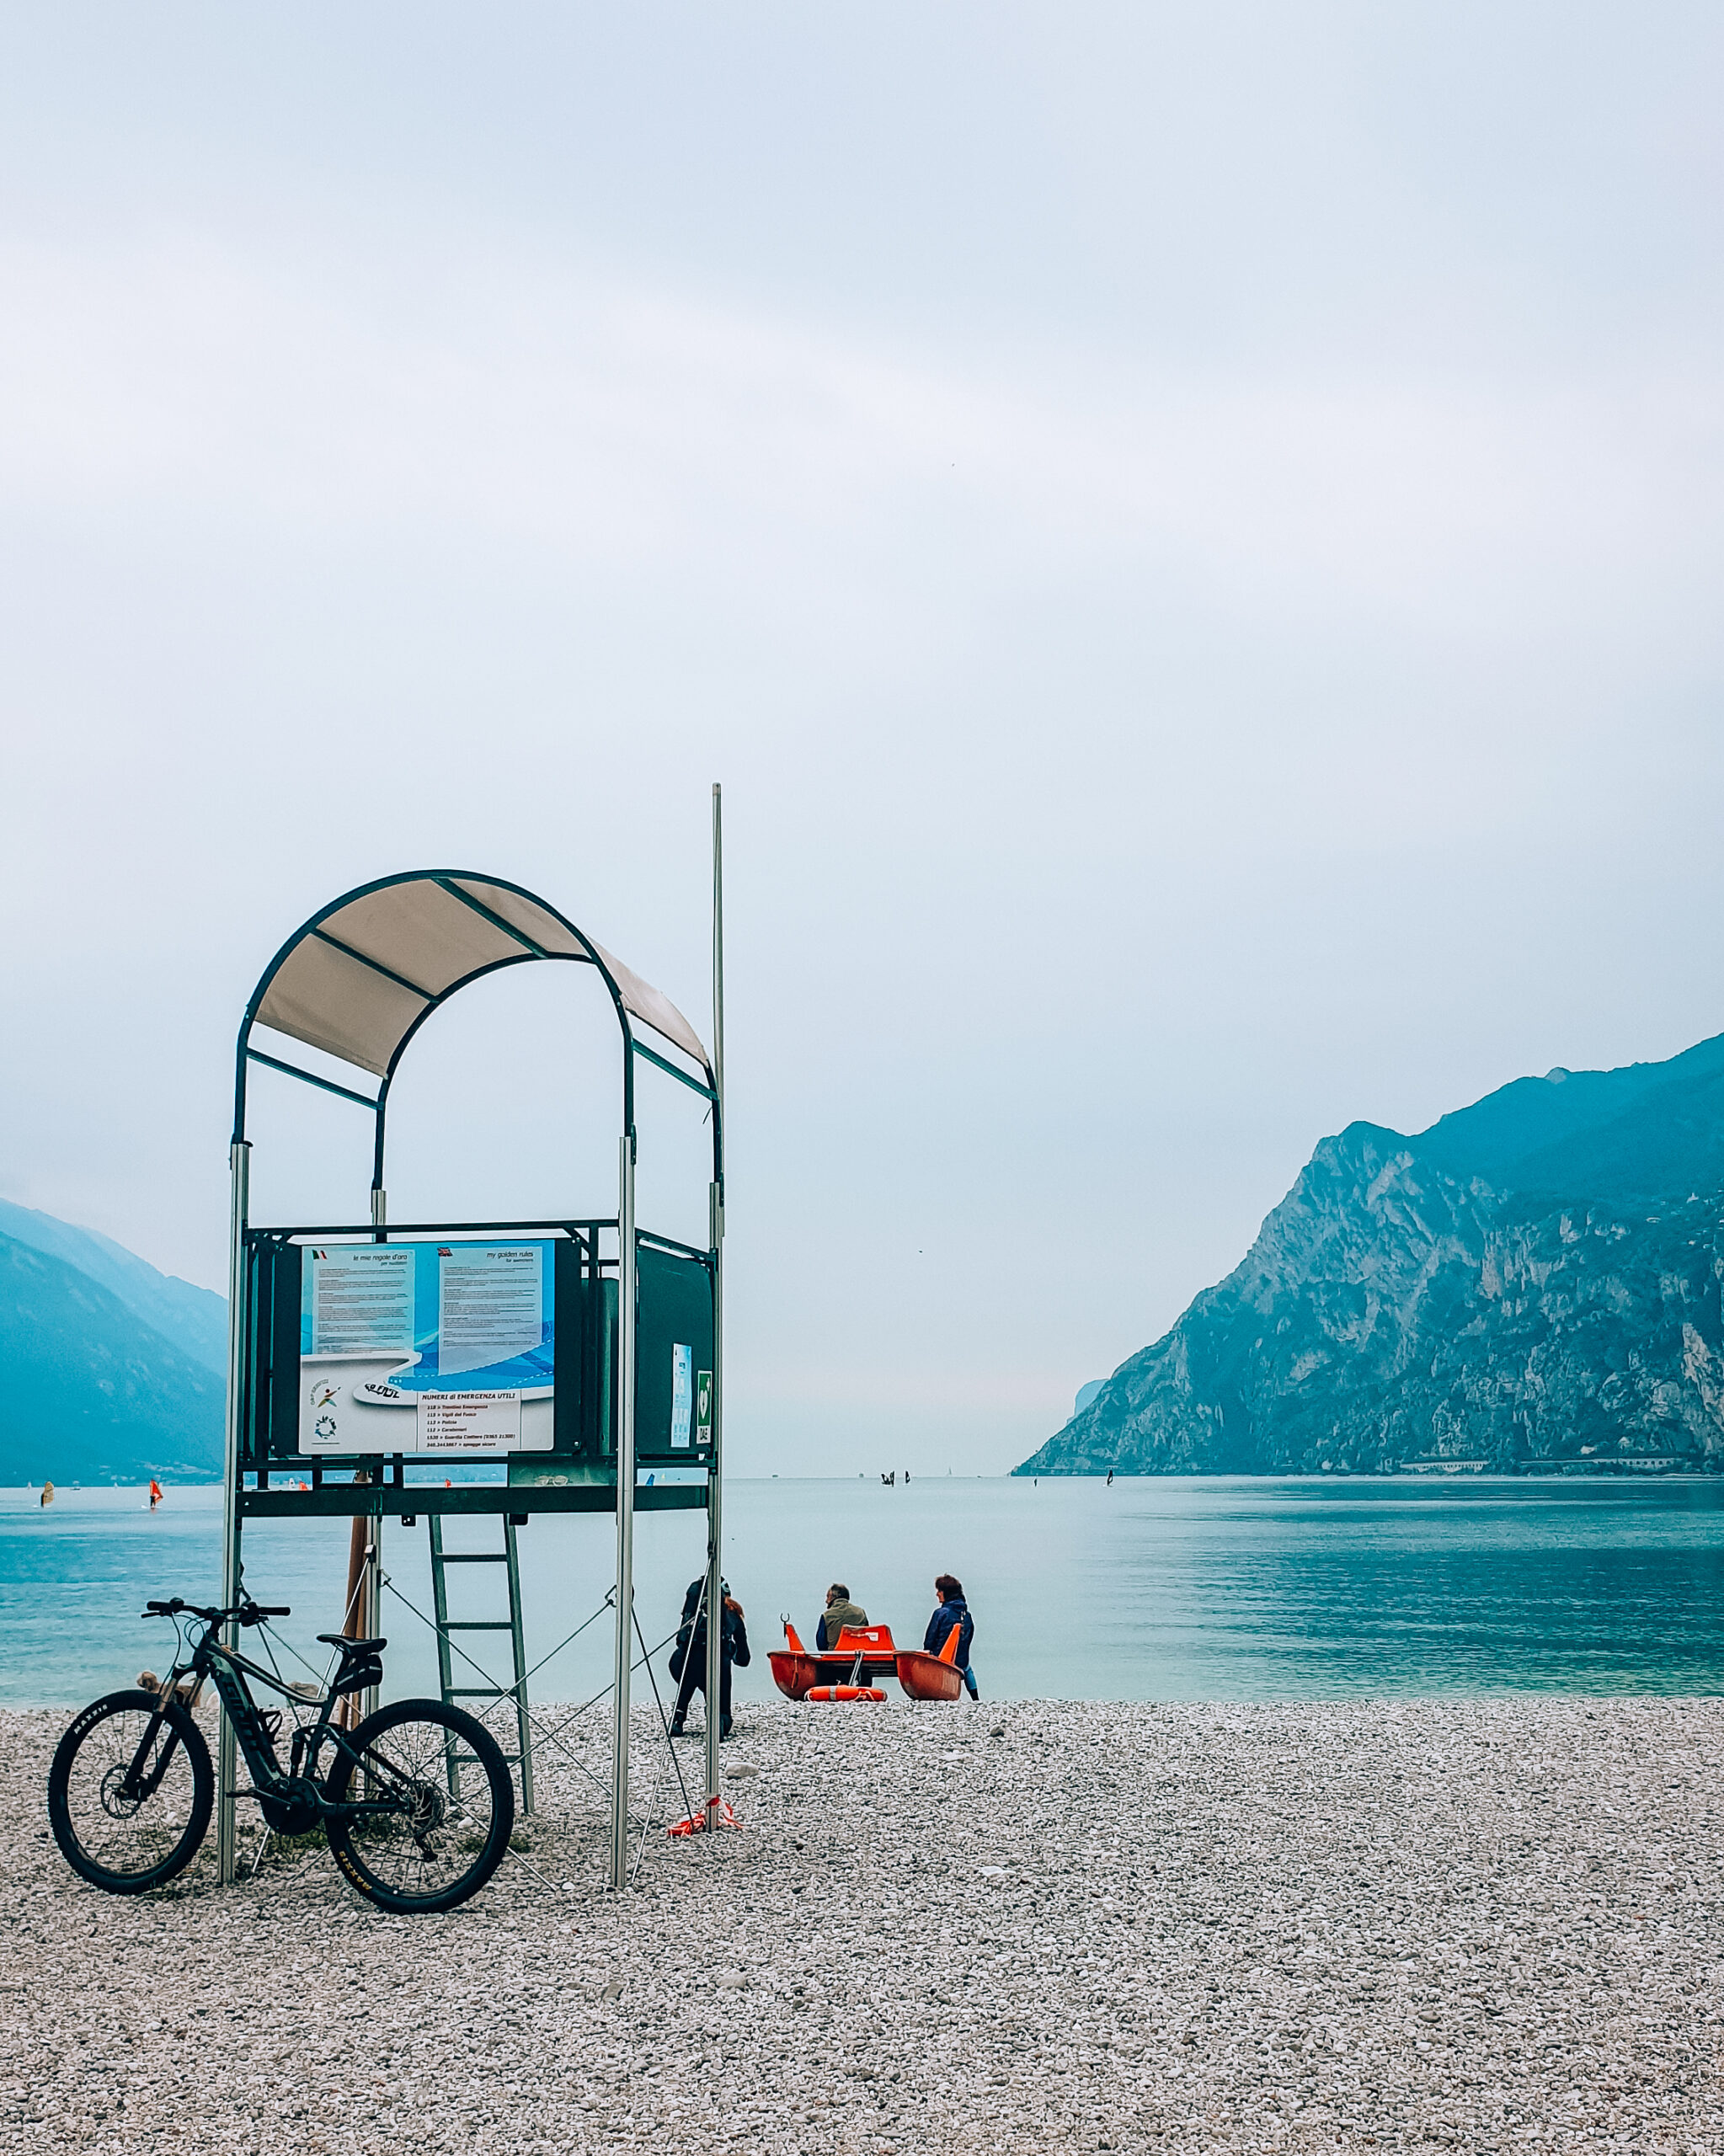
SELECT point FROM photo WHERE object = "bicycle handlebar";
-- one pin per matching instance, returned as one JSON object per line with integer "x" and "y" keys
{"x": 247, "y": 1612}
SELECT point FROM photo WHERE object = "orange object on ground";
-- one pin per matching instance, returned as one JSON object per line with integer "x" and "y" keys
{"x": 714, "y": 1814}
{"x": 827, "y": 1692}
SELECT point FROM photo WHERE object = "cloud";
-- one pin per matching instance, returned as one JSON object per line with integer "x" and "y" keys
{"x": 537, "y": 406}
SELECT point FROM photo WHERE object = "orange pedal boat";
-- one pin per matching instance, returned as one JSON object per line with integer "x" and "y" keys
{"x": 852, "y": 1670}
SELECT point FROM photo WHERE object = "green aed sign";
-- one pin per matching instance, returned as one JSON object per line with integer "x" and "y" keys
{"x": 704, "y": 1407}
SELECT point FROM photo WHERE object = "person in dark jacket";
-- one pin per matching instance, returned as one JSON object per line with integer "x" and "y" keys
{"x": 951, "y": 1611}
{"x": 688, "y": 1658}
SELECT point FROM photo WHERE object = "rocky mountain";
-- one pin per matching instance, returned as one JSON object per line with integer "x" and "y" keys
{"x": 91, "y": 1392}
{"x": 1532, "y": 1281}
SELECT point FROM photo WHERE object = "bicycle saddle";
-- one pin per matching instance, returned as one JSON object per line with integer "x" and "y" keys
{"x": 352, "y": 1646}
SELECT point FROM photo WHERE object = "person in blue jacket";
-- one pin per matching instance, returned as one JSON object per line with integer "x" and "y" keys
{"x": 952, "y": 1610}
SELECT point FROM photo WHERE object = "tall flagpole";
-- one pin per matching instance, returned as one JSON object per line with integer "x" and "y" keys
{"x": 715, "y": 1475}
{"x": 626, "y": 1291}
{"x": 239, "y": 1170}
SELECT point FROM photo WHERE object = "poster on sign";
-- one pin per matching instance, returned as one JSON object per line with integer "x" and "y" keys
{"x": 490, "y": 1306}
{"x": 681, "y": 1394}
{"x": 362, "y": 1300}
{"x": 428, "y": 1348}
{"x": 469, "y": 1423}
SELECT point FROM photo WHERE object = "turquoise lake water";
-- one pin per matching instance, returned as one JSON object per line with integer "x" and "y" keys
{"x": 1176, "y": 1588}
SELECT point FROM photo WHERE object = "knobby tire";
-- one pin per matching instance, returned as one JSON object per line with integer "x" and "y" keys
{"x": 123, "y": 1845}
{"x": 437, "y": 1848}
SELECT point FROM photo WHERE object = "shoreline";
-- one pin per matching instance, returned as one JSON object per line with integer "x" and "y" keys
{"x": 1485, "y": 1923}
{"x": 1435, "y": 1471}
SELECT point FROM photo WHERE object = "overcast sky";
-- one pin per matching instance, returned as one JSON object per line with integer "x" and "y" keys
{"x": 1191, "y": 536}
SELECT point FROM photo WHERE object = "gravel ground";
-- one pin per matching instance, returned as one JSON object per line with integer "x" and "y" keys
{"x": 1483, "y": 1925}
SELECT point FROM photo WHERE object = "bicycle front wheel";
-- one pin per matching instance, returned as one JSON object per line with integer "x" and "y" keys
{"x": 432, "y": 1804}
{"x": 131, "y": 1791}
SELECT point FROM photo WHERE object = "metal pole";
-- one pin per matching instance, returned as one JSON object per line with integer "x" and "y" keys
{"x": 370, "y": 1603}
{"x": 715, "y": 1519}
{"x": 239, "y": 1162}
{"x": 517, "y": 1642}
{"x": 372, "y": 1697}
{"x": 625, "y": 1511}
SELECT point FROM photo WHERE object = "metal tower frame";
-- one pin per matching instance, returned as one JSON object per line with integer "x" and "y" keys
{"x": 357, "y": 981}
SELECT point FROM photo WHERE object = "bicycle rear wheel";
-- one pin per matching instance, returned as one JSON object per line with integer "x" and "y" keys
{"x": 444, "y": 1807}
{"x": 131, "y": 1791}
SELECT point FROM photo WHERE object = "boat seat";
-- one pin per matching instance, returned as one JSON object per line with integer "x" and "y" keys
{"x": 869, "y": 1640}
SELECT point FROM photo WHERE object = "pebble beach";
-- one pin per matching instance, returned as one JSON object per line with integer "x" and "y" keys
{"x": 1482, "y": 1924}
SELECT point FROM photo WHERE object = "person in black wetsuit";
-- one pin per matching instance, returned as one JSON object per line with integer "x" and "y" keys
{"x": 688, "y": 1658}
{"x": 952, "y": 1610}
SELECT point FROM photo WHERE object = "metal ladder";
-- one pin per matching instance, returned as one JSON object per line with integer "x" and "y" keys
{"x": 522, "y": 1758}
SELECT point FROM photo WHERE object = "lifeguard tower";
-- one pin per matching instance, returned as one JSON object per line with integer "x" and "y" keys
{"x": 578, "y": 1353}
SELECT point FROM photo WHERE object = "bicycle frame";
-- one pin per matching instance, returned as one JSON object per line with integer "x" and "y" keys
{"x": 228, "y": 1670}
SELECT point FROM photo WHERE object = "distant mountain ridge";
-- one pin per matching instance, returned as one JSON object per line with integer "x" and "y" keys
{"x": 1534, "y": 1281}
{"x": 194, "y": 1319}
{"x": 109, "y": 1369}
{"x": 1648, "y": 1132}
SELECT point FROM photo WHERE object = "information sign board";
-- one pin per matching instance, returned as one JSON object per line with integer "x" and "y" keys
{"x": 427, "y": 1347}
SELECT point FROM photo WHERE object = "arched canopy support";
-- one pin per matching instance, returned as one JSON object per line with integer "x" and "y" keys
{"x": 361, "y": 976}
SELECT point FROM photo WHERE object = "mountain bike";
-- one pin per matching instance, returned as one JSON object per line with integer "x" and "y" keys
{"x": 416, "y": 1802}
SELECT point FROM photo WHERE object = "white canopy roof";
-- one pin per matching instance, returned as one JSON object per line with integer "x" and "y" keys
{"x": 357, "y": 979}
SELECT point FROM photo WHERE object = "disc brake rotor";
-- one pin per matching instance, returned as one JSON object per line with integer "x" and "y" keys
{"x": 427, "y": 1808}
{"x": 117, "y": 1802}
